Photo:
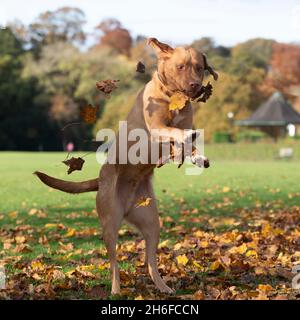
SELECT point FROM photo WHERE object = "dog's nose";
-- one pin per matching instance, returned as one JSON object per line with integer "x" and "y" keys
{"x": 194, "y": 85}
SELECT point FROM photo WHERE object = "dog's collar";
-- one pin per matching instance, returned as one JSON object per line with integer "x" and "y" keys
{"x": 163, "y": 85}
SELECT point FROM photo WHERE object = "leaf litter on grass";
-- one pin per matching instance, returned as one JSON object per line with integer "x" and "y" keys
{"x": 251, "y": 260}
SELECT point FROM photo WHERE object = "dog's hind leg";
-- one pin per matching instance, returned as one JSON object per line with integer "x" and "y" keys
{"x": 146, "y": 220}
{"x": 111, "y": 215}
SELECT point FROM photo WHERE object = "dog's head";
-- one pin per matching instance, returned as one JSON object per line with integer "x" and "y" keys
{"x": 181, "y": 69}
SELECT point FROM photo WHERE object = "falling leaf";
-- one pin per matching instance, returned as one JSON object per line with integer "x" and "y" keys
{"x": 182, "y": 259}
{"x": 107, "y": 86}
{"x": 89, "y": 113}
{"x": 178, "y": 101}
{"x": 143, "y": 202}
{"x": 74, "y": 164}
{"x": 140, "y": 67}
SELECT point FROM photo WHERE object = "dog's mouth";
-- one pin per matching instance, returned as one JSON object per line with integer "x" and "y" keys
{"x": 194, "y": 94}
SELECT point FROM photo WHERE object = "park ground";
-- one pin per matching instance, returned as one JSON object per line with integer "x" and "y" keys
{"x": 230, "y": 233}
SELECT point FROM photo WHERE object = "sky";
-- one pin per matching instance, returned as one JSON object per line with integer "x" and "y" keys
{"x": 178, "y": 21}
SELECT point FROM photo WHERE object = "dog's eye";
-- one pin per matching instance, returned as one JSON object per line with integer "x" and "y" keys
{"x": 198, "y": 67}
{"x": 180, "y": 66}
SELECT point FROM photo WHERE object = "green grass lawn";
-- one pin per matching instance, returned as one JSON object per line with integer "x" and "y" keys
{"x": 222, "y": 191}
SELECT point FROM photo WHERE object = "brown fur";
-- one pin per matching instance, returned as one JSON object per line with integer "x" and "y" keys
{"x": 120, "y": 186}
{"x": 68, "y": 186}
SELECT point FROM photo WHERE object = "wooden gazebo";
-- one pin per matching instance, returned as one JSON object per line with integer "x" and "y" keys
{"x": 273, "y": 116}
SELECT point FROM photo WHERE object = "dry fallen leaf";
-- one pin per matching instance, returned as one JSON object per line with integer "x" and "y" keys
{"x": 178, "y": 101}
{"x": 107, "y": 86}
{"x": 206, "y": 93}
{"x": 199, "y": 295}
{"x": 89, "y": 114}
{"x": 182, "y": 260}
{"x": 74, "y": 164}
{"x": 140, "y": 67}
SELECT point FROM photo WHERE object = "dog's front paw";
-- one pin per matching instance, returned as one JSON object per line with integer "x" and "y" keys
{"x": 200, "y": 161}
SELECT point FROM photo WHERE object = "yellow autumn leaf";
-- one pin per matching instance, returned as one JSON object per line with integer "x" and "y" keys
{"x": 251, "y": 253}
{"x": 177, "y": 101}
{"x": 177, "y": 246}
{"x": 143, "y": 202}
{"x": 164, "y": 244}
{"x": 182, "y": 259}
{"x": 266, "y": 229}
{"x": 214, "y": 266}
{"x": 71, "y": 232}
{"x": 240, "y": 249}
{"x": 264, "y": 287}
{"x": 198, "y": 265}
{"x": 104, "y": 266}
{"x": 226, "y": 189}
{"x": 37, "y": 265}
{"x": 87, "y": 267}
{"x": 204, "y": 244}
{"x": 51, "y": 225}
{"x": 13, "y": 214}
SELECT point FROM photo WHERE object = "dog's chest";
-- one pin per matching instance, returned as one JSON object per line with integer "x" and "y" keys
{"x": 175, "y": 117}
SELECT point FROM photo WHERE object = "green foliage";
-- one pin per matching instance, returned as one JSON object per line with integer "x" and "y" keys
{"x": 47, "y": 79}
{"x": 254, "y": 53}
{"x": 231, "y": 93}
{"x": 250, "y": 136}
{"x": 222, "y": 137}
{"x": 117, "y": 109}
{"x": 62, "y": 25}
{"x": 24, "y": 119}
{"x": 100, "y": 64}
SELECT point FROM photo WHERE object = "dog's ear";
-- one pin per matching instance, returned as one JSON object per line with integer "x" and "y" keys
{"x": 162, "y": 50}
{"x": 209, "y": 68}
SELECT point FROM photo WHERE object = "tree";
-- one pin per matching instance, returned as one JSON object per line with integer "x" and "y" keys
{"x": 62, "y": 25}
{"x": 254, "y": 53}
{"x": 284, "y": 67}
{"x": 24, "y": 121}
{"x": 234, "y": 94}
{"x": 115, "y": 36}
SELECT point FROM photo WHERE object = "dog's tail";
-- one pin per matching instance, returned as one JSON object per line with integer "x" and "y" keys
{"x": 68, "y": 186}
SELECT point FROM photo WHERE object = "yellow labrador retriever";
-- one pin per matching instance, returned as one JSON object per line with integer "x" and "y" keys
{"x": 119, "y": 186}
